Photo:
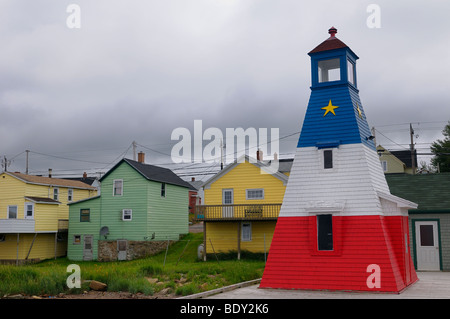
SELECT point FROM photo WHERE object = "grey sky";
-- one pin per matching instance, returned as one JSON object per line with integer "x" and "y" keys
{"x": 136, "y": 70}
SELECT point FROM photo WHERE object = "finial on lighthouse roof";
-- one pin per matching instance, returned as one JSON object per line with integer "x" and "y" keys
{"x": 332, "y": 31}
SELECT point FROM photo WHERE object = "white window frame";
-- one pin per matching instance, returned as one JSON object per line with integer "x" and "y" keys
{"x": 163, "y": 189}
{"x": 25, "y": 210}
{"x": 247, "y": 197}
{"x": 321, "y": 159}
{"x": 76, "y": 240}
{"x": 17, "y": 211}
{"x": 127, "y": 212}
{"x": 70, "y": 194}
{"x": 114, "y": 187}
{"x": 56, "y": 193}
{"x": 250, "y": 231}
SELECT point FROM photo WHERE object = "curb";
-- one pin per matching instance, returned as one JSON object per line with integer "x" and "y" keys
{"x": 222, "y": 289}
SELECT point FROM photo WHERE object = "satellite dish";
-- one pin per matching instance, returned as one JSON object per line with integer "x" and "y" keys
{"x": 104, "y": 231}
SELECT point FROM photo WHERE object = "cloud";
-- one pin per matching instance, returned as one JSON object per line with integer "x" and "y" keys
{"x": 136, "y": 70}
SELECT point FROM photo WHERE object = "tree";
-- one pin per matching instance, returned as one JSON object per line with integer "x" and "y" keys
{"x": 441, "y": 151}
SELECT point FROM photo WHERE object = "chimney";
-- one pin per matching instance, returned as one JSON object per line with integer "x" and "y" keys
{"x": 141, "y": 157}
{"x": 84, "y": 175}
{"x": 259, "y": 155}
{"x": 50, "y": 172}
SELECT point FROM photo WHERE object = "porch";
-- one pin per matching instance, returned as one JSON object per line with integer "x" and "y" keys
{"x": 237, "y": 212}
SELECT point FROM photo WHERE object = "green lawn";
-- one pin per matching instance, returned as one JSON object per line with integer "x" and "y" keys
{"x": 187, "y": 277}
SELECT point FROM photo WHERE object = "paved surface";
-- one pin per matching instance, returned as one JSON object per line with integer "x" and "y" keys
{"x": 431, "y": 285}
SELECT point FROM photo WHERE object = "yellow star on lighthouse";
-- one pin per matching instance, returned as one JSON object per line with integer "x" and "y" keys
{"x": 329, "y": 108}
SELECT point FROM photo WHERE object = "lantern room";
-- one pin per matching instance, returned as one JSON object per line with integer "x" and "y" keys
{"x": 333, "y": 67}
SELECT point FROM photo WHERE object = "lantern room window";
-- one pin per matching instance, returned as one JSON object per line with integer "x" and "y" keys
{"x": 329, "y": 70}
{"x": 351, "y": 72}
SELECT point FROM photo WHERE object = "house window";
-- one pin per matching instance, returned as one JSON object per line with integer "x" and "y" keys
{"x": 29, "y": 211}
{"x": 246, "y": 231}
{"x": 327, "y": 159}
{"x": 12, "y": 212}
{"x": 127, "y": 214}
{"x": 55, "y": 193}
{"x": 76, "y": 239}
{"x": 69, "y": 194}
{"x": 85, "y": 215}
{"x": 163, "y": 189}
{"x": 324, "y": 232}
{"x": 254, "y": 193}
{"x": 118, "y": 187}
{"x": 384, "y": 166}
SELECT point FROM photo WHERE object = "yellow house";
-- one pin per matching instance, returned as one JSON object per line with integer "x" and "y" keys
{"x": 397, "y": 161}
{"x": 242, "y": 203}
{"x": 34, "y": 215}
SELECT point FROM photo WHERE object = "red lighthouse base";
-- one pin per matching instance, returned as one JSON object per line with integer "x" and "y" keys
{"x": 370, "y": 253}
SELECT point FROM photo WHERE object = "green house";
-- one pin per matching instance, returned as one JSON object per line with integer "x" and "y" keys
{"x": 140, "y": 210}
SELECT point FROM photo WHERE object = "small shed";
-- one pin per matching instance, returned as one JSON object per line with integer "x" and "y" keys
{"x": 430, "y": 222}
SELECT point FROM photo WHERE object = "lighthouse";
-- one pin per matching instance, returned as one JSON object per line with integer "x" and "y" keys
{"x": 339, "y": 227}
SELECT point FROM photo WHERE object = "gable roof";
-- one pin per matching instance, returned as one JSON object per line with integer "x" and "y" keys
{"x": 430, "y": 191}
{"x": 41, "y": 180}
{"x": 152, "y": 173}
{"x": 265, "y": 166}
{"x": 405, "y": 156}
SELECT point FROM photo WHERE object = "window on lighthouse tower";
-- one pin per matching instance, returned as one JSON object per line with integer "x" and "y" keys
{"x": 351, "y": 72}
{"x": 329, "y": 70}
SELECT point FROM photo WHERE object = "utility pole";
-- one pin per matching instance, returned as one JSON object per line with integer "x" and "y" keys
{"x": 5, "y": 163}
{"x": 413, "y": 159}
{"x": 221, "y": 154}
{"x": 26, "y": 170}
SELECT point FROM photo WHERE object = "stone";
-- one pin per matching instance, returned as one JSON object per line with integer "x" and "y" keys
{"x": 152, "y": 280}
{"x": 97, "y": 285}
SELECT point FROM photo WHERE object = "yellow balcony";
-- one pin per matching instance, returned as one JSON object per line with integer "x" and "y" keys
{"x": 237, "y": 212}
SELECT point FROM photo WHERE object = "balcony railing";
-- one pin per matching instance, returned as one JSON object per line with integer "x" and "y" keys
{"x": 14, "y": 225}
{"x": 237, "y": 212}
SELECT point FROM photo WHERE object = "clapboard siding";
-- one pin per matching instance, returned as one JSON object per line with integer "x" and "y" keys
{"x": 76, "y": 227}
{"x": 353, "y": 179}
{"x": 134, "y": 197}
{"x": 167, "y": 216}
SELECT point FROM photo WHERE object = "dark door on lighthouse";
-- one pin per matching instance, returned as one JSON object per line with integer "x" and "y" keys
{"x": 325, "y": 232}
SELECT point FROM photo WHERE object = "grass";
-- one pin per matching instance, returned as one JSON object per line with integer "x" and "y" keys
{"x": 181, "y": 276}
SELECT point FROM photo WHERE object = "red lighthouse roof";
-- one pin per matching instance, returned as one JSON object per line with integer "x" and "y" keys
{"x": 331, "y": 43}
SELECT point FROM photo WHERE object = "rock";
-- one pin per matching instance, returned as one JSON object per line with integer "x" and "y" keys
{"x": 35, "y": 297}
{"x": 97, "y": 285}
{"x": 152, "y": 280}
{"x": 18, "y": 296}
{"x": 165, "y": 291}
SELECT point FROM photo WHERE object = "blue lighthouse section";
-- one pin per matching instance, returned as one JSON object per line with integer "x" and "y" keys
{"x": 335, "y": 114}
{"x": 345, "y": 126}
